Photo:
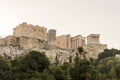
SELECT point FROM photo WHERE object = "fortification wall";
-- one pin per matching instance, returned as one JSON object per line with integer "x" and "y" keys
{"x": 29, "y": 43}
{"x": 52, "y": 37}
{"x": 63, "y": 41}
{"x": 31, "y": 31}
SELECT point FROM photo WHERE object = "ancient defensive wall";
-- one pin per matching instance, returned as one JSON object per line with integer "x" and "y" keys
{"x": 29, "y": 30}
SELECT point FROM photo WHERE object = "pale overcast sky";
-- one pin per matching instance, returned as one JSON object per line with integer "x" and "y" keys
{"x": 66, "y": 16}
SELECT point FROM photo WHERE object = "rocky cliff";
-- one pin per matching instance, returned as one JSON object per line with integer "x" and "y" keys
{"x": 23, "y": 42}
{"x": 11, "y": 47}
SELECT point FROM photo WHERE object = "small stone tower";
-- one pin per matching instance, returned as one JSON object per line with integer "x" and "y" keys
{"x": 52, "y": 37}
{"x": 93, "y": 39}
{"x": 68, "y": 41}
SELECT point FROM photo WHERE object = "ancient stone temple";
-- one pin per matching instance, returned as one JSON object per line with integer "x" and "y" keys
{"x": 77, "y": 41}
{"x": 93, "y": 39}
{"x": 68, "y": 42}
{"x": 93, "y": 46}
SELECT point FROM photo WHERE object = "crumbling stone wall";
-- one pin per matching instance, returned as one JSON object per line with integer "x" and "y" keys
{"x": 31, "y": 31}
{"x": 66, "y": 41}
{"x": 52, "y": 37}
{"x": 63, "y": 41}
{"x": 29, "y": 43}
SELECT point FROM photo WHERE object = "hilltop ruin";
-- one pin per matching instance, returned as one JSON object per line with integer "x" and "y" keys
{"x": 30, "y": 37}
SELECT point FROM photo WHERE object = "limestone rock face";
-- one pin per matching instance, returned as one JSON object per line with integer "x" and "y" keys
{"x": 60, "y": 55}
{"x": 93, "y": 50}
{"x": 55, "y": 54}
{"x": 23, "y": 42}
{"x": 9, "y": 40}
{"x": 10, "y": 52}
{"x": 11, "y": 47}
{"x": 29, "y": 43}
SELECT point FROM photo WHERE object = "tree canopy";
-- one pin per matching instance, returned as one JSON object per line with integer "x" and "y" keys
{"x": 36, "y": 66}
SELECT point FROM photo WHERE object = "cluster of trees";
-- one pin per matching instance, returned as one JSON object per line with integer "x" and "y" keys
{"x": 108, "y": 53}
{"x": 36, "y": 66}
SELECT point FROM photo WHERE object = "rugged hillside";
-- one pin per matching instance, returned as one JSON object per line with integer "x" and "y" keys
{"x": 11, "y": 47}
{"x": 27, "y": 37}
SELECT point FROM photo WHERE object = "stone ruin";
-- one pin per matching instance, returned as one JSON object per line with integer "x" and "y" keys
{"x": 62, "y": 41}
{"x": 38, "y": 32}
{"x": 28, "y": 37}
{"x": 29, "y": 30}
{"x": 93, "y": 46}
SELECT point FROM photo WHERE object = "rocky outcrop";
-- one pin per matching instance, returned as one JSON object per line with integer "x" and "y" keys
{"x": 58, "y": 55}
{"x": 23, "y": 42}
{"x": 10, "y": 52}
{"x": 93, "y": 50}
{"x": 11, "y": 47}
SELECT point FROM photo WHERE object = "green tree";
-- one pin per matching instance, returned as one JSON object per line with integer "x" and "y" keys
{"x": 45, "y": 75}
{"x": 106, "y": 69}
{"x": 5, "y": 71}
{"x": 81, "y": 52}
{"x": 82, "y": 71}
{"x": 70, "y": 59}
{"x": 24, "y": 67}
{"x": 57, "y": 72}
{"x": 117, "y": 69}
{"x": 108, "y": 53}
{"x": 66, "y": 68}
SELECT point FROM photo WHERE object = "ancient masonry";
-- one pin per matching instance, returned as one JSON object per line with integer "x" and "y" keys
{"x": 38, "y": 32}
{"x": 30, "y": 31}
{"x": 63, "y": 41}
{"x": 28, "y": 36}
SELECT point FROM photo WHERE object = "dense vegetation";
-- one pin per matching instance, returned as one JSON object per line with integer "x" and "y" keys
{"x": 36, "y": 66}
